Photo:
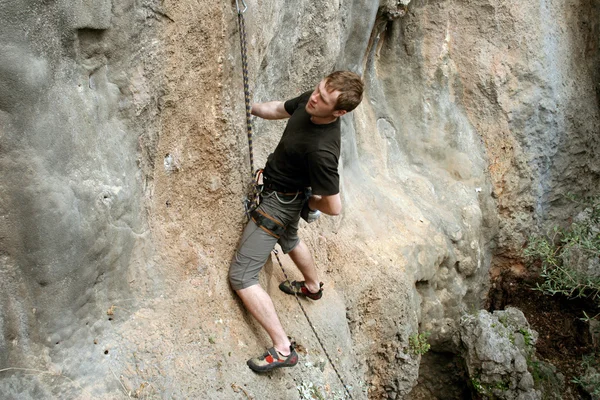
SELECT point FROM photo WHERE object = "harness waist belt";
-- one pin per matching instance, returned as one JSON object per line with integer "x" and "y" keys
{"x": 281, "y": 189}
{"x": 270, "y": 185}
{"x": 267, "y": 223}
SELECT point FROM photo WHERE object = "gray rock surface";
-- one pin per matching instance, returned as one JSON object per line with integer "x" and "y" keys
{"x": 124, "y": 160}
{"x": 71, "y": 198}
{"x": 497, "y": 349}
{"x": 589, "y": 381}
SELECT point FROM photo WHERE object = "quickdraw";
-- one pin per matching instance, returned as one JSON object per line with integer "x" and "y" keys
{"x": 254, "y": 192}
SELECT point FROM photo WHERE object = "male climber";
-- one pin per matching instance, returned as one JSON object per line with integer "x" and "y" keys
{"x": 305, "y": 161}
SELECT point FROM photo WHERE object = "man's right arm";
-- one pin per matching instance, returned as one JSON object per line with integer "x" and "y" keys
{"x": 330, "y": 205}
{"x": 270, "y": 110}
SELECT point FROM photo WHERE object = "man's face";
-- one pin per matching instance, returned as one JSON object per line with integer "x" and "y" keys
{"x": 322, "y": 103}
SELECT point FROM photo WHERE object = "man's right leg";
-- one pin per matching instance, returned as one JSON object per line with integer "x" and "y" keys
{"x": 252, "y": 253}
{"x": 260, "y": 305}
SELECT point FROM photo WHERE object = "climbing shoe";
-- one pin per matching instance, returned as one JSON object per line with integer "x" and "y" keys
{"x": 300, "y": 289}
{"x": 272, "y": 360}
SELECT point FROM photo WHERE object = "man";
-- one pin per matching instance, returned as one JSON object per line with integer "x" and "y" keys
{"x": 305, "y": 161}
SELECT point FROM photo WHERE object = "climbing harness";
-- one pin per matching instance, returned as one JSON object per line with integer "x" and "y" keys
{"x": 313, "y": 328}
{"x": 267, "y": 223}
{"x": 263, "y": 220}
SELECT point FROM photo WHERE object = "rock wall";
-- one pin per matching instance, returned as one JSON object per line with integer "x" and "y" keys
{"x": 71, "y": 194}
{"x": 124, "y": 162}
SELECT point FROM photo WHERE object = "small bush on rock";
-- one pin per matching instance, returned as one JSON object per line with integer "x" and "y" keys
{"x": 590, "y": 380}
{"x": 570, "y": 257}
{"x": 570, "y": 266}
{"x": 418, "y": 344}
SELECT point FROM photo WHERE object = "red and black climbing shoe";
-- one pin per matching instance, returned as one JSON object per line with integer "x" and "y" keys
{"x": 272, "y": 360}
{"x": 300, "y": 289}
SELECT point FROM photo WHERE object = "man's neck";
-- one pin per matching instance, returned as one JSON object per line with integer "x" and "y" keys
{"x": 322, "y": 120}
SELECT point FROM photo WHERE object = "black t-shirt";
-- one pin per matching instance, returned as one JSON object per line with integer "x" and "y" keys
{"x": 307, "y": 154}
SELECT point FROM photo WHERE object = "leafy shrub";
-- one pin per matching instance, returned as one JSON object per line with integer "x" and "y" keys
{"x": 417, "y": 343}
{"x": 590, "y": 381}
{"x": 570, "y": 265}
{"x": 570, "y": 256}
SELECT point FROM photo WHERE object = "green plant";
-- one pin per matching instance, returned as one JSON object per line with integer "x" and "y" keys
{"x": 479, "y": 388}
{"x": 587, "y": 318}
{"x": 504, "y": 386}
{"x": 526, "y": 336}
{"x": 590, "y": 381}
{"x": 535, "y": 370}
{"x": 308, "y": 391}
{"x": 565, "y": 255}
{"x": 511, "y": 337}
{"x": 417, "y": 343}
{"x": 559, "y": 251}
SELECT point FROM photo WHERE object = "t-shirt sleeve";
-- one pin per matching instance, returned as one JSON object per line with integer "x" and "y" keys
{"x": 323, "y": 173}
{"x": 292, "y": 104}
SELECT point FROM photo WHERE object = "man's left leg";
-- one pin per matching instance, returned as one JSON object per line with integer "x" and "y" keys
{"x": 298, "y": 251}
{"x": 305, "y": 262}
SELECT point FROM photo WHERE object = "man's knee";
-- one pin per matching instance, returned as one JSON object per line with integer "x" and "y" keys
{"x": 288, "y": 246}
{"x": 236, "y": 278}
{"x": 238, "y": 284}
{"x": 235, "y": 282}
{"x": 243, "y": 272}
{"x": 289, "y": 240}
{"x": 251, "y": 255}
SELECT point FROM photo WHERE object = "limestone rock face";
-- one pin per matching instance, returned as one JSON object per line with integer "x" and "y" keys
{"x": 124, "y": 163}
{"x": 71, "y": 193}
{"x": 497, "y": 349}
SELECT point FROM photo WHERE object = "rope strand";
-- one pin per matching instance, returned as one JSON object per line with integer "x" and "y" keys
{"x": 313, "y": 328}
{"x": 242, "y": 30}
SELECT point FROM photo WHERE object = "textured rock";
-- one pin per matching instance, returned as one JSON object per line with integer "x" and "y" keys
{"x": 71, "y": 196}
{"x": 496, "y": 349}
{"x": 123, "y": 157}
{"x": 590, "y": 379}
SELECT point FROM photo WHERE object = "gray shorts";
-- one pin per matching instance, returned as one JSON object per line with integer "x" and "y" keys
{"x": 256, "y": 244}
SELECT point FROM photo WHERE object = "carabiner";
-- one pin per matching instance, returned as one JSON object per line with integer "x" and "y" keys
{"x": 237, "y": 4}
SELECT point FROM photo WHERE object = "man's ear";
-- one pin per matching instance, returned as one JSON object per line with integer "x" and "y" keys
{"x": 339, "y": 113}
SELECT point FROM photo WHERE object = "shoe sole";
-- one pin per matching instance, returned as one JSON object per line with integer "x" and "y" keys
{"x": 285, "y": 290}
{"x": 268, "y": 368}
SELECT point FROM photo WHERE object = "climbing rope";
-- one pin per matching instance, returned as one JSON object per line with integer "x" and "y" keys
{"x": 313, "y": 328}
{"x": 242, "y": 30}
{"x": 254, "y": 189}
